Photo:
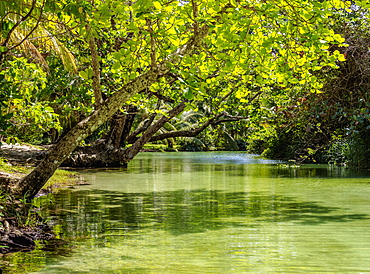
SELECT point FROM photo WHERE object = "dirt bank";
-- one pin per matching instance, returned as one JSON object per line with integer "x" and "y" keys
{"x": 15, "y": 235}
{"x": 22, "y": 154}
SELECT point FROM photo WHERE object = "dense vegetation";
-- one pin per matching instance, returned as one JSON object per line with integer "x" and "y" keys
{"x": 333, "y": 125}
{"x": 288, "y": 79}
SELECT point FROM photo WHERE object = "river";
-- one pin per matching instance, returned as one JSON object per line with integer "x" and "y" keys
{"x": 208, "y": 212}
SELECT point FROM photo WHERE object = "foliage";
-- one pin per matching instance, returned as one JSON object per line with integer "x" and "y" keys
{"x": 359, "y": 150}
{"x": 17, "y": 212}
{"x": 254, "y": 59}
{"x": 23, "y": 115}
{"x": 330, "y": 126}
{"x": 263, "y": 48}
{"x": 353, "y": 151}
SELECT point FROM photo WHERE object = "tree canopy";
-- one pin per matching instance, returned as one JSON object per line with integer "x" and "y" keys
{"x": 70, "y": 66}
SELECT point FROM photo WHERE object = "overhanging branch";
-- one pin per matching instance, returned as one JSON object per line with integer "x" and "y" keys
{"x": 194, "y": 132}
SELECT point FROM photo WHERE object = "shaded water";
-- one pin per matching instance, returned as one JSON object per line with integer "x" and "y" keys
{"x": 207, "y": 213}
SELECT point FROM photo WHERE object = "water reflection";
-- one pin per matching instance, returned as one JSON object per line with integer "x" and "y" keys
{"x": 207, "y": 213}
{"x": 92, "y": 213}
{"x": 321, "y": 171}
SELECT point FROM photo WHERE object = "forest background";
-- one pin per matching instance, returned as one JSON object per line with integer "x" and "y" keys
{"x": 286, "y": 79}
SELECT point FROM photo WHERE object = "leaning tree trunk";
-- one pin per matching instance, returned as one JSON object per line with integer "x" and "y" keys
{"x": 33, "y": 182}
{"x": 130, "y": 117}
{"x": 100, "y": 155}
{"x": 120, "y": 127}
{"x": 117, "y": 124}
{"x": 106, "y": 152}
{"x": 131, "y": 152}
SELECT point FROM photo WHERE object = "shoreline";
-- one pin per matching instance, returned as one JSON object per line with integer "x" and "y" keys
{"x": 20, "y": 224}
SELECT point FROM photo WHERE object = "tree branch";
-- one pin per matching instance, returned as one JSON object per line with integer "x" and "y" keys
{"x": 24, "y": 18}
{"x": 95, "y": 67}
{"x": 153, "y": 54}
{"x": 194, "y": 132}
{"x": 132, "y": 151}
{"x": 132, "y": 137}
{"x": 95, "y": 63}
{"x": 159, "y": 96}
{"x": 195, "y": 15}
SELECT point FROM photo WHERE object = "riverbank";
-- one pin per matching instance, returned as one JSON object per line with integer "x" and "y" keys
{"x": 20, "y": 224}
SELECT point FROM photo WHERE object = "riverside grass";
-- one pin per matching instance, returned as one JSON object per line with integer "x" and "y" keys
{"x": 15, "y": 209}
{"x": 61, "y": 178}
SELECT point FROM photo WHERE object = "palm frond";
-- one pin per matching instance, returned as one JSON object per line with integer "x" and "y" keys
{"x": 29, "y": 49}
{"x": 191, "y": 116}
{"x": 69, "y": 62}
{"x": 47, "y": 42}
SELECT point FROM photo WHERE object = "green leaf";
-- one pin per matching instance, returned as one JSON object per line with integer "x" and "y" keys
{"x": 84, "y": 75}
{"x": 116, "y": 66}
{"x": 157, "y": 5}
{"x": 2, "y": 8}
{"x": 188, "y": 94}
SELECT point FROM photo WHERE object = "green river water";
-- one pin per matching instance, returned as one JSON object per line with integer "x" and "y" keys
{"x": 212, "y": 212}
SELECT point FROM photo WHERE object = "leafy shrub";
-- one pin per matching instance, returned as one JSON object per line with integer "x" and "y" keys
{"x": 23, "y": 115}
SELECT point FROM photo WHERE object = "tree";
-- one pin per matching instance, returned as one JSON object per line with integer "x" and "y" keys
{"x": 24, "y": 71}
{"x": 268, "y": 50}
{"x": 331, "y": 126}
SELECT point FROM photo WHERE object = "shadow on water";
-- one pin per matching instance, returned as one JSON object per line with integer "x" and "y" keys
{"x": 86, "y": 213}
{"x": 107, "y": 217}
{"x": 99, "y": 218}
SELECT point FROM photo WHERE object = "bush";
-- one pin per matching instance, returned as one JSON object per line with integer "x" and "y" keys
{"x": 358, "y": 153}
